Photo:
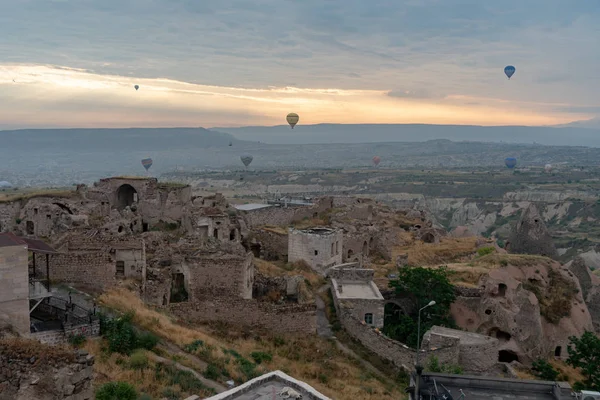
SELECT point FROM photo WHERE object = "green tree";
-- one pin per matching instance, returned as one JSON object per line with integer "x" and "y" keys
{"x": 584, "y": 353}
{"x": 544, "y": 370}
{"x": 419, "y": 286}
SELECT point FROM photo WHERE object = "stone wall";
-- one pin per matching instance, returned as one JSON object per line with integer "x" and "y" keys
{"x": 273, "y": 245}
{"x": 93, "y": 262}
{"x": 14, "y": 287}
{"x": 284, "y": 216}
{"x": 219, "y": 276}
{"x": 264, "y": 316}
{"x": 62, "y": 336}
{"x": 30, "y": 371}
{"x": 397, "y": 353}
{"x": 320, "y": 251}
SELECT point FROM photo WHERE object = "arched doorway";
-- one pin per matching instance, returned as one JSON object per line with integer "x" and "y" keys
{"x": 126, "y": 196}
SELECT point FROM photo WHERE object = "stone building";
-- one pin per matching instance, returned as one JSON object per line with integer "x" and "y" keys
{"x": 354, "y": 290}
{"x": 27, "y": 303}
{"x": 476, "y": 353}
{"x": 14, "y": 284}
{"x": 319, "y": 247}
{"x": 99, "y": 260}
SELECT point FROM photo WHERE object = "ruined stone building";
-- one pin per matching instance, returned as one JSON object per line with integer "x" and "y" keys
{"x": 27, "y": 304}
{"x": 318, "y": 247}
{"x": 353, "y": 289}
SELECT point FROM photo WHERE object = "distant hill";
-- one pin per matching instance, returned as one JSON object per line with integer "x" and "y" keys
{"x": 371, "y": 133}
{"x": 131, "y": 139}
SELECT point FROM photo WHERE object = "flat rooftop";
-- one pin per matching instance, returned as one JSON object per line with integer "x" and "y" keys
{"x": 490, "y": 388}
{"x": 319, "y": 231}
{"x": 356, "y": 290}
{"x": 250, "y": 207}
{"x": 267, "y": 387}
{"x": 465, "y": 337}
{"x": 498, "y": 394}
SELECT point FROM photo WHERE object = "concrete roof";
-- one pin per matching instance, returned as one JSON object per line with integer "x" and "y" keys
{"x": 498, "y": 394}
{"x": 250, "y": 207}
{"x": 356, "y": 290}
{"x": 37, "y": 246}
{"x": 267, "y": 387}
{"x": 465, "y": 337}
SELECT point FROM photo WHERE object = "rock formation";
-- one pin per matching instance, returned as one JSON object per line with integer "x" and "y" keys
{"x": 531, "y": 236}
{"x": 590, "y": 288}
{"x": 532, "y": 307}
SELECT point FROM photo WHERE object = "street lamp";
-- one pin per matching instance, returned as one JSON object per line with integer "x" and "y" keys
{"x": 417, "y": 366}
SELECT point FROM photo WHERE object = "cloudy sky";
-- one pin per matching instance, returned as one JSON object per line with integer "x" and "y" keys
{"x": 73, "y": 63}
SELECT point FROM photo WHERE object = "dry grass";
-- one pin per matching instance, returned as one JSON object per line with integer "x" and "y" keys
{"x": 311, "y": 359}
{"x": 597, "y": 272}
{"x": 310, "y": 223}
{"x": 273, "y": 269}
{"x": 114, "y": 367}
{"x": 275, "y": 229}
{"x": 518, "y": 260}
{"x": 25, "y": 349}
{"x": 20, "y": 196}
{"x": 567, "y": 373}
{"x": 447, "y": 251}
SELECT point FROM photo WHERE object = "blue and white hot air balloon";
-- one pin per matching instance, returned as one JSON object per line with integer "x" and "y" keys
{"x": 509, "y": 70}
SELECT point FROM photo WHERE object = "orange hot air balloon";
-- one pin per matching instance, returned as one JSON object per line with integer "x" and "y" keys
{"x": 376, "y": 160}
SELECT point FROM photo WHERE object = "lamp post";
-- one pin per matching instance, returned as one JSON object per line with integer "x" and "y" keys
{"x": 418, "y": 368}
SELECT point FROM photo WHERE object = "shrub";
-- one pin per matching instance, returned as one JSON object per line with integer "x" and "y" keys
{"x": 260, "y": 356}
{"x": 147, "y": 340}
{"x": 116, "y": 391}
{"x": 192, "y": 347}
{"x": 484, "y": 251}
{"x": 543, "y": 370}
{"x": 77, "y": 340}
{"x": 138, "y": 361}
{"x": 211, "y": 372}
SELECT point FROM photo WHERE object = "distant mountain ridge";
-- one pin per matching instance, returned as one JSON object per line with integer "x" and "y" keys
{"x": 98, "y": 139}
{"x": 374, "y": 133}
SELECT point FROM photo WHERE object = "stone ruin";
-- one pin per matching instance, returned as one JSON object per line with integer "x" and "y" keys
{"x": 29, "y": 370}
{"x": 531, "y": 236}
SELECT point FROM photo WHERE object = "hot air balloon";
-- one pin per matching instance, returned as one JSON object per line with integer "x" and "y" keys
{"x": 509, "y": 70}
{"x": 548, "y": 168}
{"x": 147, "y": 163}
{"x": 510, "y": 162}
{"x": 292, "y": 119}
{"x": 246, "y": 159}
{"x": 137, "y": 87}
{"x": 376, "y": 160}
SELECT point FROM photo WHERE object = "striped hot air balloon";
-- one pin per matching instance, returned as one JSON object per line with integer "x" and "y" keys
{"x": 147, "y": 163}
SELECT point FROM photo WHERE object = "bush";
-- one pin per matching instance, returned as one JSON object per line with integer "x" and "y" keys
{"x": 260, "y": 356}
{"x": 433, "y": 365}
{"x": 211, "y": 372}
{"x": 147, "y": 340}
{"x": 138, "y": 361}
{"x": 116, "y": 391}
{"x": 484, "y": 251}
{"x": 77, "y": 340}
{"x": 543, "y": 370}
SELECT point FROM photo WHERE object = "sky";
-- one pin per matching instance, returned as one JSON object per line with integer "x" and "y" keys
{"x": 74, "y": 63}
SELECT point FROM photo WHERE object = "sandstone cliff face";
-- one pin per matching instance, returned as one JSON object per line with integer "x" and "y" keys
{"x": 531, "y": 236}
{"x": 531, "y": 309}
{"x": 590, "y": 288}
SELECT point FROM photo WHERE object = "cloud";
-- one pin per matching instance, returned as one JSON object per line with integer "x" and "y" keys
{"x": 414, "y": 49}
